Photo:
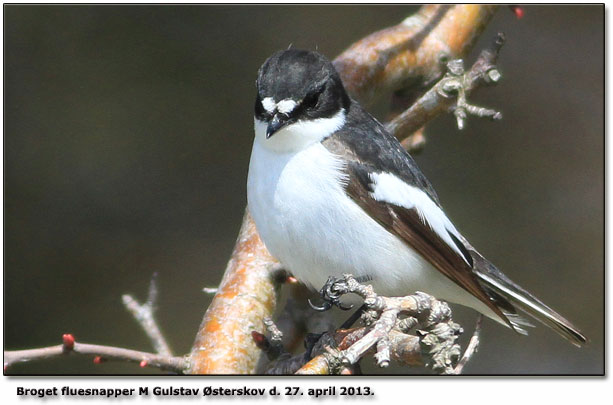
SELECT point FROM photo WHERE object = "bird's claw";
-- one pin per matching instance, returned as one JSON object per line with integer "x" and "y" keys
{"x": 331, "y": 293}
{"x": 344, "y": 307}
{"x": 326, "y": 306}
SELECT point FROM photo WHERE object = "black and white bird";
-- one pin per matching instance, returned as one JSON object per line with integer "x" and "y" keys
{"x": 332, "y": 192}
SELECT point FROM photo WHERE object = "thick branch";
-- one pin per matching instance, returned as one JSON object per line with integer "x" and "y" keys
{"x": 412, "y": 53}
{"x": 247, "y": 295}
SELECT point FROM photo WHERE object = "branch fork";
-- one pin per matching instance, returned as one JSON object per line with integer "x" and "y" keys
{"x": 455, "y": 84}
{"x": 386, "y": 331}
{"x": 451, "y": 92}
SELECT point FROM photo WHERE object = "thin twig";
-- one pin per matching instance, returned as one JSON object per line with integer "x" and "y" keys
{"x": 473, "y": 346}
{"x": 144, "y": 315}
{"x": 176, "y": 364}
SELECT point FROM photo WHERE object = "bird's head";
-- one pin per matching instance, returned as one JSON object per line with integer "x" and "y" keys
{"x": 300, "y": 98}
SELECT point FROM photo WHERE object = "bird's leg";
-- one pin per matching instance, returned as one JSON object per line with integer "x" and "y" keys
{"x": 310, "y": 340}
{"x": 331, "y": 293}
{"x": 354, "y": 317}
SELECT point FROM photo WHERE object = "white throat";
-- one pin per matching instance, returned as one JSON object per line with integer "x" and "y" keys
{"x": 299, "y": 135}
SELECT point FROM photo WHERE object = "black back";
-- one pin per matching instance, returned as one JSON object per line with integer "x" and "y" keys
{"x": 370, "y": 148}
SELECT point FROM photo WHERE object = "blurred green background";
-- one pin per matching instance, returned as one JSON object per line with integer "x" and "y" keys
{"x": 127, "y": 134}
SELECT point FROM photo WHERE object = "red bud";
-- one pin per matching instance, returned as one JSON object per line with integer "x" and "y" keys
{"x": 260, "y": 340}
{"x": 518, "y": 10}
{"x": 68, "y": 341}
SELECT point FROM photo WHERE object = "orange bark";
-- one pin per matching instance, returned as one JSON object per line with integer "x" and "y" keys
{"x": 246, "y": 296}
{"x": 411, "y": 51}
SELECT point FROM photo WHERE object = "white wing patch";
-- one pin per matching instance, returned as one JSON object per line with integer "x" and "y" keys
{"x": 389, "y": 188}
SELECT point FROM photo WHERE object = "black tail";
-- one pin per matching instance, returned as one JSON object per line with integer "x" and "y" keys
{"x": 492, "y": 279}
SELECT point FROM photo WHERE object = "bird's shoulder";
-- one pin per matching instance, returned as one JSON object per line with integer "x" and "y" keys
{"x": 367, "y": 147}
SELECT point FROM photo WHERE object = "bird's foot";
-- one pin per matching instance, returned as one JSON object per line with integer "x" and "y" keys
{"x": 416, "y": 329}
{"x": 331, "y": 294}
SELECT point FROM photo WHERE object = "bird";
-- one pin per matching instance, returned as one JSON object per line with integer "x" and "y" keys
{"x": 332, "y": 192}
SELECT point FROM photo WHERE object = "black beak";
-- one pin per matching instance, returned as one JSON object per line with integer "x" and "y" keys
{"x": 275, "y": 124}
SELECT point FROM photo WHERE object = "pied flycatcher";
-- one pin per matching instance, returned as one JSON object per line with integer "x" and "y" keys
{"x": 332, "y": 192}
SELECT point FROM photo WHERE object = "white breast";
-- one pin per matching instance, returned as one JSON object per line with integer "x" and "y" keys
{"x": 307, "y": 221}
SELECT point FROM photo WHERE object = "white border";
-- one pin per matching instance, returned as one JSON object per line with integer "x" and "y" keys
{"x": 404, "y": 389}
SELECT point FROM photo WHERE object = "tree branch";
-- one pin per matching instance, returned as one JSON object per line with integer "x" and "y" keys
{"x": 247, "y": 295}
{"x": 413, "y": 53}
{"x": 441, "y": 96}
{"x": 163, "y": 362}
{"x": 471, "y": 349}
{"x": 144, "y": 315}
{"x": 388, "y": 322}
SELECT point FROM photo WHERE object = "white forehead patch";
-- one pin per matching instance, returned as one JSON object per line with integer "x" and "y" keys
{"x": 269, "y": 104}
{"x": 286, "y": 106}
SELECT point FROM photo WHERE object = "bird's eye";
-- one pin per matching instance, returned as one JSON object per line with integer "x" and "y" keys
{"x": 311, "y": 100}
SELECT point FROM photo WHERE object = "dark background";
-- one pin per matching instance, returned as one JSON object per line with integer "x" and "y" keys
{"x": 127, "y": 134}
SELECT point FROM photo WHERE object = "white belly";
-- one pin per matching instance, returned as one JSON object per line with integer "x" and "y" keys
{"x": 309, "y": 224}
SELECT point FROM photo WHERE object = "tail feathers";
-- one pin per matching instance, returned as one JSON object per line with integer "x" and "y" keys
{"x": 518, "y": 323}
{"x": 531, "y": 305}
